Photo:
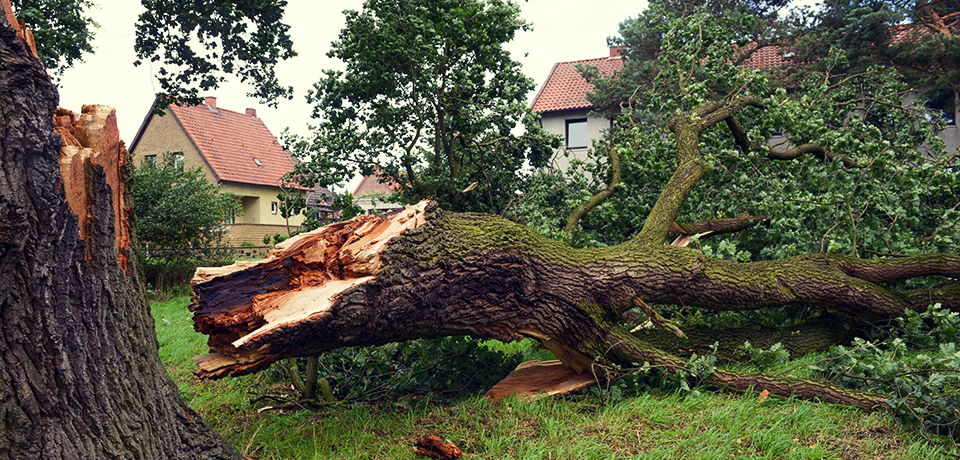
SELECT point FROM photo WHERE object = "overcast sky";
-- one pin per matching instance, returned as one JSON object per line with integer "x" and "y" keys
{"x": 563, "y": 30}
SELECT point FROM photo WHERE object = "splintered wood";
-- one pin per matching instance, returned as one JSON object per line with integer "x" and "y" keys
{"x": 541, "y": 378}
{"x": 300, "y": 279}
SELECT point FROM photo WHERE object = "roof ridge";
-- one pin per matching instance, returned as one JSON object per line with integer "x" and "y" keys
{"x": 237, "y": 147}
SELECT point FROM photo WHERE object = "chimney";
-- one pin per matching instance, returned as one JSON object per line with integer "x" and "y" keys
{"x": 252, "y": 112}
{"x": 210, "y": 101}
{"x": 616, "y": 51}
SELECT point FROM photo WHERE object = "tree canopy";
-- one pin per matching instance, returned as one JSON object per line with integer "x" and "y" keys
{"x": 868, "y": 174}
{"x": 921, "y": 38}
{"x": 198, "y": 47}
{"x": 429, "y": 101}
{"x": 62, "y": 30}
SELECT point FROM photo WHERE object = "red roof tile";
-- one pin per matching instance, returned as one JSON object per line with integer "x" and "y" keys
{"x": 765, "y": 58}
{"x": 233, "y": 143}
{"x": 566, "y": 89}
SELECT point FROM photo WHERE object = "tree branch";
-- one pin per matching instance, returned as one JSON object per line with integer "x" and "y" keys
{"x": 574, "y": 220}
{"x": 742, "y": 140}
{"x": 718, "y": 226}
{"x": 691, "y": 169}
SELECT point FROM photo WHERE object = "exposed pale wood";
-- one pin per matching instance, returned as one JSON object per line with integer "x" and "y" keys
{"x": 541, "y": 378}
{"x": 90, "y": 139}
{"x": 568, "y": 356}
{"x": 19, "y": 26}
{"x": 310, "y": 272}
{"x": 291, "y": 307}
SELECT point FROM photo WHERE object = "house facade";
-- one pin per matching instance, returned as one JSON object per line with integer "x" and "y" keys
{"x": 564, "y": 109}
{"x": 233, "y": 149}
{"x": 370, "y": 194}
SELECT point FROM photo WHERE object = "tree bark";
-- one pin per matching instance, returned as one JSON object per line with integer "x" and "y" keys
{"x": 80, "y": 376}
{"x": 478, "y": 275}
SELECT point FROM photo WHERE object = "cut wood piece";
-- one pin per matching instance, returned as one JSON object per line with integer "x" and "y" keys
{"x": 299, "y": 279}
{"x": 434, "y": 447}
{"x": 541, "y": 378}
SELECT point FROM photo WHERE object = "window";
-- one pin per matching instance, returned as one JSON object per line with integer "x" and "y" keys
{"x": 150, "y": 158}
{"x": 273, "y": 207}
{"x": 577, "y": 137}
{"x": 177, "y": 158}
{"x": 944, "y": 105}
{"x": 231, "y": 218}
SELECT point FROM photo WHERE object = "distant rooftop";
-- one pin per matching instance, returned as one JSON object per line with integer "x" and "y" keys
{"x": 238, "y": 147}
{"x": 566, "y": 89}
{"x": 370, "y": 186}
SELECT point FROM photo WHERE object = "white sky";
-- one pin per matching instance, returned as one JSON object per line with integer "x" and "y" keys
{"x": 563, "y": 30}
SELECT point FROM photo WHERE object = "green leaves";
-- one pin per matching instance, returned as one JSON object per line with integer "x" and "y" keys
{"x": 61, "y": 28}
{"x": 440, "y": 369}
{"x": 896, "y": 195}
{"x": 918, "y": 365}
{"x": 178, "y": 208}
{"x": 197, "y": 46}
{"x": 429, "y": 100}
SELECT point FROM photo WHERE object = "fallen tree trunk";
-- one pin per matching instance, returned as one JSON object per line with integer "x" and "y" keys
{"x": 425, "y": 273}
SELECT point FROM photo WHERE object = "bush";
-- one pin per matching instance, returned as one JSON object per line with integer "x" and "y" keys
{"x": 917, "y": 365}
{"x": 178, "y": 208}
{"x": 162, "y": 274}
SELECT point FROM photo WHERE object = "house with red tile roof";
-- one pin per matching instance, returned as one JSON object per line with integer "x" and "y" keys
{"x": 564, "y": 109}
{"x": 235, "y": 150}
{"x": 370, "y": 194}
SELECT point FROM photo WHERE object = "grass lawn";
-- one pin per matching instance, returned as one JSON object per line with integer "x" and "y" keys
{"x": 695, "y": 425}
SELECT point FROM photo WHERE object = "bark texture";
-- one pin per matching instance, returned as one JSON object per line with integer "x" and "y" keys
{"x": 478, "y": 275}
{"x": 80, "y": 376}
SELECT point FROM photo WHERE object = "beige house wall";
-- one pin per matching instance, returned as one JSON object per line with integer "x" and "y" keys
{"x": 375, "y": 204}
{"x": 556, "y": 123}
{"x": 164, "y": 134}
{"x": 951, "y": 137}
{"x": 260, "y": 204}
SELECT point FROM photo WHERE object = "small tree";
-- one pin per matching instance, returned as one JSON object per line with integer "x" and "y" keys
{"x": 429, "y": 100}
{"x": 292, "y": 200}
{"x": 179, "y": 213}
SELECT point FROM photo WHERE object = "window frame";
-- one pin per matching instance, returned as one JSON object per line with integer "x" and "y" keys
{"x": 586, "y": 133}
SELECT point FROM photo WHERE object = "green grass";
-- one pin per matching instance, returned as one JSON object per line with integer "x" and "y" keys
{"x": 695, "y": 425}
